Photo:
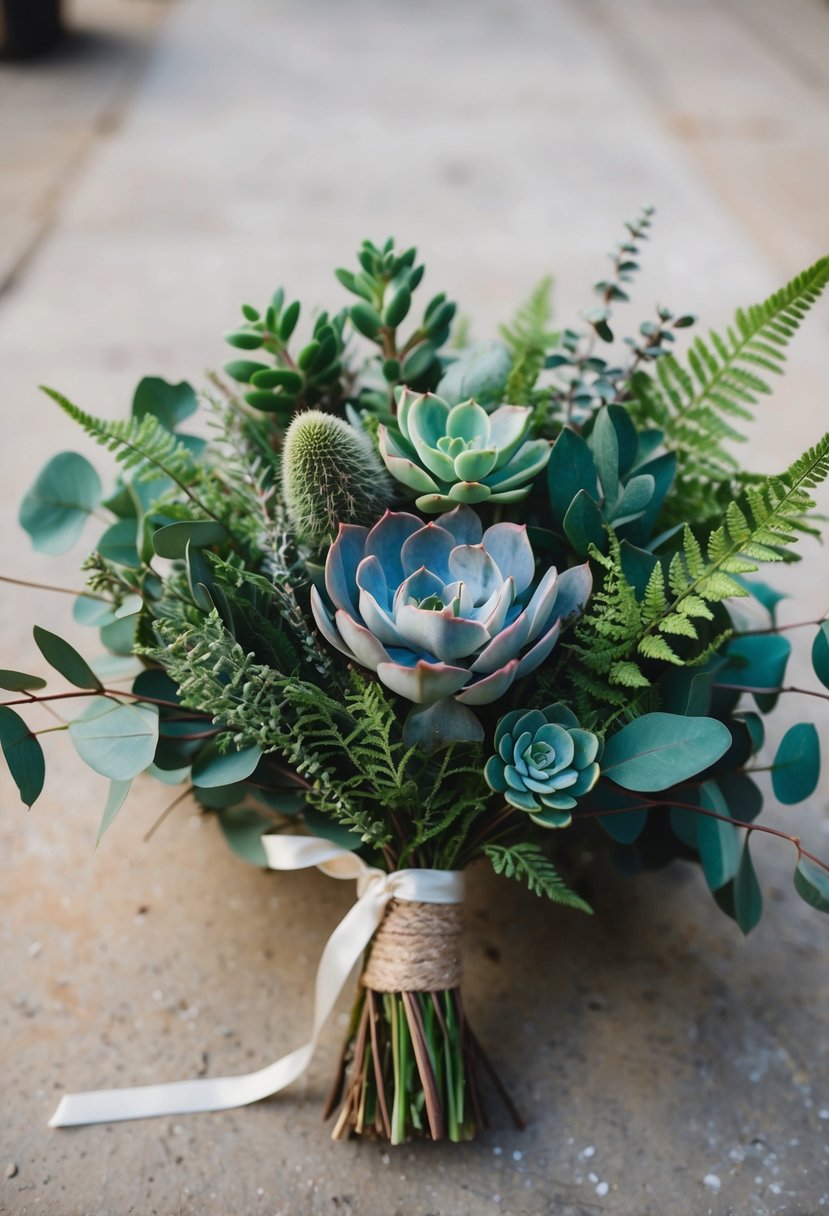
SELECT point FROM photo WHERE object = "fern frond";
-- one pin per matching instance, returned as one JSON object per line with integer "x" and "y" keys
{"x": 526, "y": 863}
{"x": 699, "y": 407}
{"x": 143, "y": 444}
{"x": 529, "y": 338}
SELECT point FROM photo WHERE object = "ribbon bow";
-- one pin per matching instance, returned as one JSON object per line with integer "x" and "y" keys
{"x": 342, "y": 950}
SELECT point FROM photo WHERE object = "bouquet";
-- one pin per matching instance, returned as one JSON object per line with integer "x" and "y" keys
{"x": 406, "y": 602}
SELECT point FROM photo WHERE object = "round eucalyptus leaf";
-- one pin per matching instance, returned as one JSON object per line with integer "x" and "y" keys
{"x": 212, "y": 769}
{"x": 172, "y": 540}
{"x": 243, "y": 830}
{"x": 811, "y": 882}
{"x": 717, "y": 841}
{"x": 169, "y": 403}
{"x": 55, "y": 509}
{"x": 796, "y": 768}
{"x": 115, "y": 738}
{"x": 659, "y": 750}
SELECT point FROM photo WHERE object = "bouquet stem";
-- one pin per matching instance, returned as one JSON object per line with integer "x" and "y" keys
{"x": 411, "y": 1066}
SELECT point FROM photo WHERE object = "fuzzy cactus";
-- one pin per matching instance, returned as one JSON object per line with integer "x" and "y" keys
{"x": 330, "y": 476}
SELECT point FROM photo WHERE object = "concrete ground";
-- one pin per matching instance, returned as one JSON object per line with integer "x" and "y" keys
{"x": 153, "y": 176}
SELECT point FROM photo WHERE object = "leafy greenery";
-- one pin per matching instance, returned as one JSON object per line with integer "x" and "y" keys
{"x": 622, "y": 630}
{"x": 527, "y": 864}
{"x": 699, "y": 406}
{"x": 529, "y": 339}
{"x": 247, "y": 706}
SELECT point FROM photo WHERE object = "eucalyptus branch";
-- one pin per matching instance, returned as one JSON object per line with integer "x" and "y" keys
{"x": 652, "y": 803}
{"x": 22, "y": 582}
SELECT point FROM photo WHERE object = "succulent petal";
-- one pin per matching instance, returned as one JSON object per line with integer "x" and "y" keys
{"x": 422, "y": 682}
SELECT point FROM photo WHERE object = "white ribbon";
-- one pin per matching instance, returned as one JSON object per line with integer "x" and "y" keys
{"x": 342, "y": 950}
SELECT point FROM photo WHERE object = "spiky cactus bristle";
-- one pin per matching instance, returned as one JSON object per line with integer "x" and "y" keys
{"x": 330, "y": 475}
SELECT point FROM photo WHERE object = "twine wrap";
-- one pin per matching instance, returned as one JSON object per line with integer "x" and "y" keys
{"x": 416, "y": 949}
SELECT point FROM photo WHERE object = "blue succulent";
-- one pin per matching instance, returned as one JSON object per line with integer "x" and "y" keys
{"x": 544, "y": 762}
{"x": 447, "y": 615}
{"x": 460, "y": 453}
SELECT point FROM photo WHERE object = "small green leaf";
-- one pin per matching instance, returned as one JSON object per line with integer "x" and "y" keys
{"x": 418, "y": 362}
{"x": 811, "y": 882}
{"x": 65, "y": 659}
{"x": 172, "y": 540}
{"x": 717, "y": 841}
{"x": 243, "y": 830}
{"x": 757, "y": 661}
{"x": 169, "y": 403}
{"x": 288, "y": 323}
{"x": 570, "y": 469}
{"x": 18, "y": 681}
{"x": 796, "y": 768}
{"x": 55, "y": 509}
{"x": 91, "y": 610}
{"x": 119, "y": 544}
{"x": 243, "y": 370}
{"x": 820, "y": 654}
{"x": 659, "y": 750}
{"x": 24, "y": 755}
{"x": 244, "y": 339}
{"x": 748, "y": 898}
{"x": 366, "y": 319}
{"x": 212, "y": 768}
{"x": 116, "y": 798}
{"x": 583, "y": 524}
{"x": 116, "y": 739}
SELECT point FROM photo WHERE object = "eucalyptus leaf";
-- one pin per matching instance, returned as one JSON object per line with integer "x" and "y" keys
{"x": 796, "y": 768}
{"x": 820, "y": 654}
{"x": 119, "y": 544}
{"x": 243, "y": 830}
{"x": 65, "y": 659}
{"x": 66, "y": 491}
{"x": 169, "y": 403}
{"x": 116, "y": 798}
{"x": 747, "y": 896}
{"x": 24, "y": 755}
{"x": 659, "y": 750}
{"x": 91, "y": 610}
{"x": 570, "y": 469}
{"x": 172, "y": 540}
{"x": 717, "y": 841}
{"x": 212, "y": 768}
{"x": 811, "y": 882}
{"x": 19, "y": 681}
{"x": 116, "y": 739}
{"x": 757, "y": 661}
{"x": 584, "y": 525}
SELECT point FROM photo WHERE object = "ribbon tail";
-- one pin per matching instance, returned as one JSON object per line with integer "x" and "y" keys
{"x": 342, "y": 950}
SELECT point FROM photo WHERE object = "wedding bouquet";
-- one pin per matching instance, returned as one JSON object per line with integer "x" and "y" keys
{"x": 408, "y": 602}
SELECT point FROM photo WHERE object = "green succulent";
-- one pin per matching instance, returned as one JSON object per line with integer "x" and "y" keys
{"x": 544, "y": 763}
{"x": 330, "y": 476}
{"x": 461, "y": 454}
{"x": 614, "y": 476}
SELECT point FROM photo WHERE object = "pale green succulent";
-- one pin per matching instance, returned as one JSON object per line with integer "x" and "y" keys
{"x": 461, "y": 454}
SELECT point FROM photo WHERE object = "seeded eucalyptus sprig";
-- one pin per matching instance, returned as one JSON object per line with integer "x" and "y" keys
{"x": 384, "y": 286}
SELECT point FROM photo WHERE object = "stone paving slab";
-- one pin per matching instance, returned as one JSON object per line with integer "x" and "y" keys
{"x": 649, "y": 1046}
{"x": 54, "y": 110}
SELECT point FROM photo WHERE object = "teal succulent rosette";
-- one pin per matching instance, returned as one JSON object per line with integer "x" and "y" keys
{"x": 544, "y": 762}
{"x": 448, "y": 615}
{"x": 461, "y": 454}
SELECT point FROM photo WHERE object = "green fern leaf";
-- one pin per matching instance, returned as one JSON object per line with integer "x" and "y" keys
{"x": 526, "y": 863}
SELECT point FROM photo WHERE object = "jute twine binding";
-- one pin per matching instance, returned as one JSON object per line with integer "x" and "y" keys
{"x": 416, "y": 949}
